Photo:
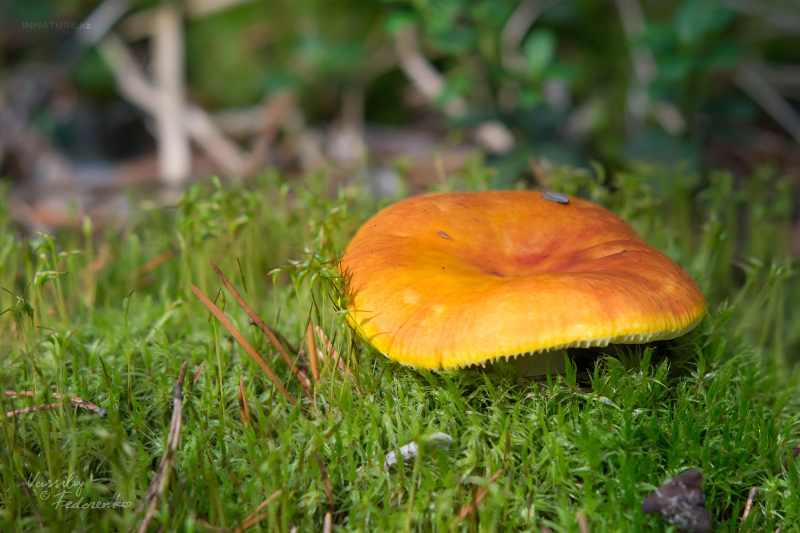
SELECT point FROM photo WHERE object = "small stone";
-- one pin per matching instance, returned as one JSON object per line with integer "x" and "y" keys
{"x": 410, "y": 450}
{"x": 681, "y": 501}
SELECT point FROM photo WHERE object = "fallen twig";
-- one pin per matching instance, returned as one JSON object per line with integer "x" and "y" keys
{"x": 74, "y": 401}
{"x": 159, "y": 483}
{"x": 298, "y": 373}
{"x": 476, "y": 501}
{"x": 241, "y": 340}
{"x": 747, "y": 506}
{"x": 583, "y": 523}
{"x": 327, "y": 523}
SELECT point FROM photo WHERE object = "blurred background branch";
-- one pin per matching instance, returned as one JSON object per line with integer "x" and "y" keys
{"x": 96, "y": 96}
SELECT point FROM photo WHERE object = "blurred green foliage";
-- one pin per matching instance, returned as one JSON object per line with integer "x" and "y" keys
{"x": 574, "y": 80}
{"x": 583, "y": 50}
{"x": 237, "y": 56}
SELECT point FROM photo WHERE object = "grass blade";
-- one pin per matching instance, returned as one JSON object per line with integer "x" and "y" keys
{"x": 299, "y": 374}
{"x": 241, "y": 340}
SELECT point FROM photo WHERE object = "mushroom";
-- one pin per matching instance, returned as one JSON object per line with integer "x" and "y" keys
{"x": 450, "y": 280}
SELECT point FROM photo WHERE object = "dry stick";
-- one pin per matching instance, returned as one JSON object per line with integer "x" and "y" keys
{"x": 243, "y": 407}
{"x": 327, "y": 523}
{"x": 159, "y": 483}
{"x": 583, "y": 523}
{"x": 299, "y": 374}
{"x": 241, "y": 340}
{"x": 254, "y": 518}
{"x": 747, "y": 506}
{"x": 35, "y": 408}
{"x": 312, "y": 349}
{"x": 476, "y": 501}
{"x": 167, "y": 52}
{"x": 74, "y": 401}
{"x": 197, "y": 374}
{"x": 335, "y": 355}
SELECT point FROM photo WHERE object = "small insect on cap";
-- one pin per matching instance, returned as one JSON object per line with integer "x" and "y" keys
{"x": 450, "y": 280}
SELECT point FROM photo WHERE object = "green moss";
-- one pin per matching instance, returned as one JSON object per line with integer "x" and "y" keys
{"x": 723, "y": 398}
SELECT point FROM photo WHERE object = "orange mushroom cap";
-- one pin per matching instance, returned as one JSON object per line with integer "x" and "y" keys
{"x": 450, "y": 280}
